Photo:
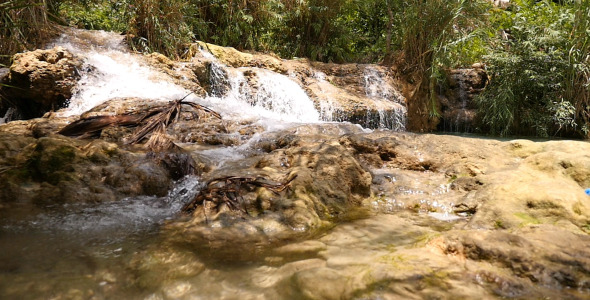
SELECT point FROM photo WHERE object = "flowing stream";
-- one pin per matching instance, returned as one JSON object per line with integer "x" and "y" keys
{"x": 85, "y": 251}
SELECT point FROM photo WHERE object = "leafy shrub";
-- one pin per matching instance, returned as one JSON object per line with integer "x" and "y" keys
{"x": 537, "y": 70}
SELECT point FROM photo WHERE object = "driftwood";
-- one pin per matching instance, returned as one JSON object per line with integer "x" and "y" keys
{"x": 154, "y": 120}
{"x": 228, "y": 190}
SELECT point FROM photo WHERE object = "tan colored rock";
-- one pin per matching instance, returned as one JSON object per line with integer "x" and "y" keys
{"x": 234, "y": 58}
{"x": 42, "y": 79}
{"x": 58, "y": 169}
{"x": 184, "y": 74}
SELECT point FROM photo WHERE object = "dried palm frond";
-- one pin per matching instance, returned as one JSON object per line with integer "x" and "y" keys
{"x": 154, "y": 119}
{"x": 228, "y": 190}
{"x": 92, "y": 126}
{"x": 166, "y": 115}
{"x": 159, "y": 141}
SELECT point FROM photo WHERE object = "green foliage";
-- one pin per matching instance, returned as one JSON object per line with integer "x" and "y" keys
{"x": 103, "y": 15}
{"x": 159, "y": 25}
{"x": 538, "y": 71}
{"x": 23, "y": 24}
{"x": 431, "y": 32}
{"x": 314, "y": 29}
{"x": 240, "y": 24}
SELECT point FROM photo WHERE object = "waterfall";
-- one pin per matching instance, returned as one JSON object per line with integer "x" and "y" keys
{"x": 267, "y": 94}
{"x": 378, "y": 89}
{"x": 375, "y": 84}
{"x": 110, "y": 71}
{"x": 247, "y": 93}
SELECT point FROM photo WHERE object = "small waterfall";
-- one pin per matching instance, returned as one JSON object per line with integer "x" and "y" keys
{"x": 379, "y": 90}
{"x": 282, "y": 95}
{"x": 110, "y": 71}
{"x": 255, "y": 92}
{"x": 375, "y": 85}
{"x": 11, "y": 114}
{"x": 461, "y": 122}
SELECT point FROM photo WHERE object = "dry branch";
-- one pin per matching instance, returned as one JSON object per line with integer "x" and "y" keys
{"x": 229, "y": 190}
{"x": 151, "y": 121}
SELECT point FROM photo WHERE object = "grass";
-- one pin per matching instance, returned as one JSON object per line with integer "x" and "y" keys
{"x": 24, "y": 24}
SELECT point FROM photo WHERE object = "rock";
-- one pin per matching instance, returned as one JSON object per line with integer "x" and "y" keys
{"x": 183, "y": 74}
{"x": 361, "y": 94}
{"x": 329, "y": 184}
{"x": 545, "y": 254}
{"x": 150, "y": 265}
{"x": 546, "y": 188}
{"x": 459, "y": 112}
{"x": 332, "y": 285}
{"x": 300, "y": 249}
{"x": 60, "y": 169}
{"x": 234, "y": 58}
{"x": 42, "y": 80}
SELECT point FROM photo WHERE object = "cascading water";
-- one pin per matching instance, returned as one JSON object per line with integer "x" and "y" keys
{"x": 378, "y": 89}
{"x": 255, "y": 92}
{"x": 110, "y": 71}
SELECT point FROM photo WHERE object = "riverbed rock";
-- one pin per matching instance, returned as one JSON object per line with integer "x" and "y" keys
{"x": 184, "y": 74}
{"x": 58, "y": 169}
{"x": 328, "y": 184}
{"x": 42, "y": 80}
{"x": 547, "y": 187}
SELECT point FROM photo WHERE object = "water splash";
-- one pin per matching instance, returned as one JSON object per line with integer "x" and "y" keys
{"x": 258, "y": 92}
{"x": 375, "y": 84}
{"x": 110, "y": 71}
{"x": 119, "y": 218}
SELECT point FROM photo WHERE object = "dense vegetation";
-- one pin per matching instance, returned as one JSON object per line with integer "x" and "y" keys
{"x": 536, "y": 51}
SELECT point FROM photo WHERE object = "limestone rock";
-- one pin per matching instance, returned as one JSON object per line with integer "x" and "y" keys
{"x": 329, "y": 184}
{"x": 60, "y": 169}
{"x": 42, "y": 80}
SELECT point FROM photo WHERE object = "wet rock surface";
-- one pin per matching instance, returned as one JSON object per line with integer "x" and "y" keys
{"x": 364, "y": 214}
{"x": 390, "y": 214}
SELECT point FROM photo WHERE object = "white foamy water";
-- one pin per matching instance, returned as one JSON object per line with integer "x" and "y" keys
{"x": 375, "y": 84}
{"x": 377, "y": 88}
{"x": 110, "y": 71}
{"x": 261, "y": 94}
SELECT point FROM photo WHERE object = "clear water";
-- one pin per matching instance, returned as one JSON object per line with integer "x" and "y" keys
{"x": 116, "y": 250}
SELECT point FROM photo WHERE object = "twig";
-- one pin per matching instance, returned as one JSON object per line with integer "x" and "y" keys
{"x": 228, "y": 190}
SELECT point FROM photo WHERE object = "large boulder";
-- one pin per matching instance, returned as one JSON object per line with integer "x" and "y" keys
{"x": 329, "y": 184}
{"x": 41, "y": 80}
